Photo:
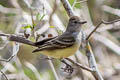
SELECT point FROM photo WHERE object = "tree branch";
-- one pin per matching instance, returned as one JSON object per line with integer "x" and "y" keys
{"x": 92, "y": 62}
{"x": 17, "y": 38}
{"x": 67, "y": 7}
{"x": 4, "y": 75}
{"x": 89, "y": 53}
{"x": 79, "y": 65}
{"x": 101, "y": 22}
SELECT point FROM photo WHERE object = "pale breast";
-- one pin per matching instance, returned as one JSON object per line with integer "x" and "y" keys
{"x": 63, "y": 53}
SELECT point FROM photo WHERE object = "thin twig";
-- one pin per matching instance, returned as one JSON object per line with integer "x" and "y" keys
{"x": 111, "y": 22}
{"x": 93, "y": 31}
{"x": 10, "y": 58}
{"x": 74, "y": 3}
{"x": 79, "y": 65}
{"x": 7, "y": 60}
{"x": 81, "y": 1}
{"x": 101, "y": 22}
{"x": 32, "y": 17}
{"x": 4, "y": 75}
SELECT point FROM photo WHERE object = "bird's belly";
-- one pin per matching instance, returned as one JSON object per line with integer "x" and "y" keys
{"x": 61, "y": 53}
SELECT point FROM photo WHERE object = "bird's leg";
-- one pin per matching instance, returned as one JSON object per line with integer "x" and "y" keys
{"x": 69, "y": 69}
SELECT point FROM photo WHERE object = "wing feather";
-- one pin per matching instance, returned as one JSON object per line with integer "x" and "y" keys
{"x": 60, "y": 42}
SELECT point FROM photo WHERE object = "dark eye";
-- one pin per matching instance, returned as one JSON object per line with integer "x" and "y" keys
{"x": 75, "y": 21}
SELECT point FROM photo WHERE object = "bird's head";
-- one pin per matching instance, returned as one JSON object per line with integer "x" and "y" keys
{"x": 74, "y": 24}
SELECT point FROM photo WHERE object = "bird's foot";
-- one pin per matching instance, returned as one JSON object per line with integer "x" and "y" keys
{"x": 69, "y": 69}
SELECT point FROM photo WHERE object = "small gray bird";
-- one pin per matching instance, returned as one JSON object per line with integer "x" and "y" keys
{"x": 64, "y": 45}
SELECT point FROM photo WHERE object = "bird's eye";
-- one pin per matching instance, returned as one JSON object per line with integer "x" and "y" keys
{"x": 75, "y": 21}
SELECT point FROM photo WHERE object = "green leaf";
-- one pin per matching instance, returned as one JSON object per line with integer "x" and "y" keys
{"x": 71, "y": 2}
{"x": 76, "y": 5}
{"x": 38, "y": 16}
{"x": 42, "y": 17}
{"x": 34, "y": 25}
{"x": 27, "y": 26}
{"x": 52, "y": 26}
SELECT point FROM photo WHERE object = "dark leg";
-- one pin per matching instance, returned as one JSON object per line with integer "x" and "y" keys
{"x": 69, "y": 69}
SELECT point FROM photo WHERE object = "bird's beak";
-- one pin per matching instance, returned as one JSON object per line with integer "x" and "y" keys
{"x": 83, "y": 22}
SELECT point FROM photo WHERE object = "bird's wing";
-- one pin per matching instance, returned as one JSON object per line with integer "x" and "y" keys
{"x": 56, "y": 43}
{"x": 43, "y": 41}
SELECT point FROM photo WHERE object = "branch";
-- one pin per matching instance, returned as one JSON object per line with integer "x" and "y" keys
{"x": 74, "y": 3}
{"x": 89, "y": 52}
{"x": 7, "y": 60}
{"x": 67, "y": 7}
{"x": 101, "y": 22}
{"x": 92, "y": 62}
{"x": 4, "y": 75}
{"x": 17, "y": 38}
{"x": 79, "y": 65}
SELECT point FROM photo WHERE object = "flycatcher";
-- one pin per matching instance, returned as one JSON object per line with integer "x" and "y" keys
{"x": 64, "y": 45}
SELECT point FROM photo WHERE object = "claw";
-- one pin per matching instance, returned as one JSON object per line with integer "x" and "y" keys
{"x": 69, "y": 69}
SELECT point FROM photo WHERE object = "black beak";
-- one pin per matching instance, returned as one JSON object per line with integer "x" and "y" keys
{"x": 83, "y": 22}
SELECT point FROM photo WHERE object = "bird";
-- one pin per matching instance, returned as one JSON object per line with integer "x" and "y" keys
{"x": 64, "y": 45}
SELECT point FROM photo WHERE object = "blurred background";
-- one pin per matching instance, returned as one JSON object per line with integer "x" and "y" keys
{"x": 39, "y": 19}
